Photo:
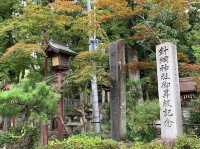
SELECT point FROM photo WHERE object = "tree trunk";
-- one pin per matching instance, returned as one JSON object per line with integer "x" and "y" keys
{"x": 6, "y": 123}
{"x": 95, "y": 100}
{"x": 95, "y": 104}
{"x": 82, "y": 111}
{"x": 135, "y": 74}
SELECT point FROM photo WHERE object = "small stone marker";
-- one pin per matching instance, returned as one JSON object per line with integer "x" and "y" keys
{"x": 169, "y": 92}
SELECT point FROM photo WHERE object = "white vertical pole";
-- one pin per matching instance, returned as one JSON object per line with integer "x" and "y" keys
{"x": 95, "y": 103}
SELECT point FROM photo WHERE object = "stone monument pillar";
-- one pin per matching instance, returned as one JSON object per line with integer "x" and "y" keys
{"x": 169, "y": 92}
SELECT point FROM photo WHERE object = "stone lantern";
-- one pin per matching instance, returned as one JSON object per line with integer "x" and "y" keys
{"x": 59, "y": 56}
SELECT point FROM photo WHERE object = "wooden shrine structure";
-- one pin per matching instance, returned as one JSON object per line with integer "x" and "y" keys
{"x": 64, "y": 122}
{"x": 58, "y": 57}
{"x": 188, "y": 89}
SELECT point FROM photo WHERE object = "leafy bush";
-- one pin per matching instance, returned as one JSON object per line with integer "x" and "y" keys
{"x": 195, "y": 112}
{"x": 83, "y": 142}
{"x": 194, "y": 117}
{"x": 6, "y": 138}
{"x": 152, "y": 145}
{"x": 17, "y": 136}
{"x": 187, "y": 142}
{"x": 95, "y": 142}
{"x": 183, "y": 142}
{"x": 140, "y": 121}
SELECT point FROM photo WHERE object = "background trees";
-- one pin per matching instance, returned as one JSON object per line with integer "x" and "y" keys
{"x": 25, "y": 30}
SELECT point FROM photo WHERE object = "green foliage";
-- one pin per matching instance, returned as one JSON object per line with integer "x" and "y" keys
{"x": 94, "y": 142}
{"x": 152, "y": 145}
{"x": 83, "y": 142}
{"x": 141, "y": 119}
{"x": 195, "y": 111}
{"x": 187, "y": 142}
{"x": 196, "y": 51}
{"x": 28, "y": 97}
{"x": 195, "y": 37}
{"x": 7, "y": 138}
{"x": 194, "y": 117}
{"x": 20, "y": 62}
{"x": 183, "y": 142}
{"x": 33, "y": 23}
{"x": 17, "y": 136}
{"x": 83, "y": 67}
{"x": 7, "y": 8}
{"x": 40, "y": 2}
{"x": 132, "y": 93}
{"x": 194, "y": 34}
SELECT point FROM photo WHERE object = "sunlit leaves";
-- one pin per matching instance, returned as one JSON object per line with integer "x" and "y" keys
{"x": 84, "y": 66}
{"x": 171, "y": 13}
{"x": 28, "y": 49}
{"x": 66, "y": 6}
{"x": 115, "y": 9}
{"x": 33, "y": 23}
{"x": 20, "y": 57}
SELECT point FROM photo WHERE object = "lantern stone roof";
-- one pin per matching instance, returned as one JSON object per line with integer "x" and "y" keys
{"x": 59, "y": 48}
{"x": 187, "y": 85}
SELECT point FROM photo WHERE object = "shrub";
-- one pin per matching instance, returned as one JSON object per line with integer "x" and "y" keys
{"x": 20, "y": 137}
{"x": 152, "y": 145}
{"x": 83, "y": 142}
{"x": 187, "y": 142}
{"x": 96, "y": 142}
{"x": 6, "y": 138}
{"x": 195, "y": 117}
{"x": 140, "y": 121}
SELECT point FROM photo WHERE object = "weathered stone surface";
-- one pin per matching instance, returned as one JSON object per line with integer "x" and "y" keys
{"x": 169, "y": 91}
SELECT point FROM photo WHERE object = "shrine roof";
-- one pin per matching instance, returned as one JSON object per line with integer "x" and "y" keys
{"x": 59, "y": 48}
{"x": 187, "y": 85}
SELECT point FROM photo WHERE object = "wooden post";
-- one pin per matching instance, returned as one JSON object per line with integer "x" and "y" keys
{"x": 108, "y": 96}
{"x": 44, "y": 134}
{"x": 61, "y": 108}
{"x": 118, "y": 89}
{"x": 103, "y": 93}
{"x": 6, "y": 123}
{"x": 13, "y": 121}
{"x": 44, "y": 127}
{"x": 46, "y": 67}
{"x": 61, "y": 127}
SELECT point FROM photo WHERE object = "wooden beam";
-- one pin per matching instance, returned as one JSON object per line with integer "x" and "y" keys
{"x": 118, "y": 89}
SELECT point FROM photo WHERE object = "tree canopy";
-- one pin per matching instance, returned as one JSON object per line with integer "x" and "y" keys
{"x": 28, "y": 98}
